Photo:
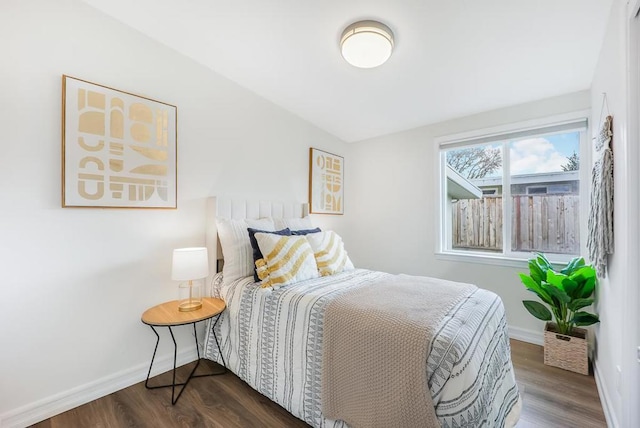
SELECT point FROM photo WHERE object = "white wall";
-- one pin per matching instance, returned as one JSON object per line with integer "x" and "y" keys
{"x": 75, "y": 281}
{"x": 617, "y": 299}
{"x": 395, "y": 226}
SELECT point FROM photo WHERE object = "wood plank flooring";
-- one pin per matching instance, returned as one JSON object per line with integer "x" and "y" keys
{"x": 553, "y": 398}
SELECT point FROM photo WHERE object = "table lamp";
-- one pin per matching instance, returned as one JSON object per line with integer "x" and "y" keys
{"x": 190, "y": 264}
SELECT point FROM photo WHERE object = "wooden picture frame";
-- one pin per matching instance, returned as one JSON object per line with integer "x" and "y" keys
{"x": 119, "y": 150}
{"x": 326, "y": 182}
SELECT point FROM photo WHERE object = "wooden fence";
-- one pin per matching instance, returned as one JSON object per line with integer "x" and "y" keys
{"x": 548, "y": 223}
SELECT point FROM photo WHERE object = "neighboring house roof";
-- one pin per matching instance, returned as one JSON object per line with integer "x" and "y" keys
{"x": 459, "y": 187}
{"x": 545, "y": 177}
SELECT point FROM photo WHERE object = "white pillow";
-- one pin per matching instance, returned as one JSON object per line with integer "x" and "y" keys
{"x": 236, "y": 248}
{"x": 329, "y": 252}
{"x": 294, "y": 223}
{"x": 286, "y": 259}
{"x": 216, "y": 285}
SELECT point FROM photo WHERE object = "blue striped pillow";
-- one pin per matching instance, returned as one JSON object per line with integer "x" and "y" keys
{"x": 305, "y": 231}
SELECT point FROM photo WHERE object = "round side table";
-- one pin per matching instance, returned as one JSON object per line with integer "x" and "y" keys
{"x": 168, "y": 315}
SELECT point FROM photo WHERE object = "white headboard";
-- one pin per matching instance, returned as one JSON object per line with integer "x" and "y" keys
{"x": 241, "y": 209}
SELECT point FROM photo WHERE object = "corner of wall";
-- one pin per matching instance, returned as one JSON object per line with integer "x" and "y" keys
{"x": 607, "y": 405}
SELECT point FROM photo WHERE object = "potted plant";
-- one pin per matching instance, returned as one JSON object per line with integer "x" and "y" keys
{"x": 563, "y": 293}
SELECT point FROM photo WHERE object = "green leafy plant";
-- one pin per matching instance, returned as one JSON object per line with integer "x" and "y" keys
{"x": 564, "y": 292}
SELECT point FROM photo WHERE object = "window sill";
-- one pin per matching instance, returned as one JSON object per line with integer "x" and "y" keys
{"x": 488, "y": 259}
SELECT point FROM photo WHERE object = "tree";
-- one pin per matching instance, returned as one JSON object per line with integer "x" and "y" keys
{"x": 475, "y": 162}
{"x": 573, "y": 163}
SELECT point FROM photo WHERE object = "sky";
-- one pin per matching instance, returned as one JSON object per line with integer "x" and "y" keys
{"x": 540, "y": 154}
{"x": 548, "y": 154}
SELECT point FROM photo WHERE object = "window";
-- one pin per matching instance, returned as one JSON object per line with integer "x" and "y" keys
{"x": 536, "y": 190}
{"x": 560, "y": 188}
{"x": 513, "y": 193}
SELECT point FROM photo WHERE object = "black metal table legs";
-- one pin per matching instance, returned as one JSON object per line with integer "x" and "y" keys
{"x": 173, "y": 384}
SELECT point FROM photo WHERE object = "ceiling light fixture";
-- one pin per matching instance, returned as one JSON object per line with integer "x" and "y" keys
{"x": 366, "y": 44}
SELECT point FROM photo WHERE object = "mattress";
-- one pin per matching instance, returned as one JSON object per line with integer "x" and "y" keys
{"x": 272, "y": 339}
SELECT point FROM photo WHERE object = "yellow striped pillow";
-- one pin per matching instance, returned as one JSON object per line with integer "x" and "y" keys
{"x": 286, "y": 259}
{"x": 329, "y": 252}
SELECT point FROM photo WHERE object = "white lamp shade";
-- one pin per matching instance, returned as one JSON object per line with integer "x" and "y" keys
{"x": 190, "y": 263}
{"x": 366, "y": 44}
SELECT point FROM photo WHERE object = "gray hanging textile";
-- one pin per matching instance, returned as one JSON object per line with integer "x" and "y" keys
{"x": 600, "y": 241}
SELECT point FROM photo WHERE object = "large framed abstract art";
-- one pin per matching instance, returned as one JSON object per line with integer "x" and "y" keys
{"x": 118, "y": 149}
{"x": 326, "y": 182}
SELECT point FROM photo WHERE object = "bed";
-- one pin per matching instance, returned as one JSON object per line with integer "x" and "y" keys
{"x": 273, "y": 338}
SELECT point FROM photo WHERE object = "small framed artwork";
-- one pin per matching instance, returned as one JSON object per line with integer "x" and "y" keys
{"x": 118, "y": 149}
{"x": 326, "y": 182}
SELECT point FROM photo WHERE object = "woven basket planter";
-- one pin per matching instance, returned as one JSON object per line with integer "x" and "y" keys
{"x": 566, "y": 352}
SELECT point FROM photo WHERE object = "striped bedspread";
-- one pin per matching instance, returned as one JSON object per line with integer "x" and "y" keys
{"x": 272, "y": 339}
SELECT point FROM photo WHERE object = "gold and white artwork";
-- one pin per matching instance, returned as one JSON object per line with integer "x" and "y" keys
{"x": 119, "y": 149}
{"x": 326, "y": 182}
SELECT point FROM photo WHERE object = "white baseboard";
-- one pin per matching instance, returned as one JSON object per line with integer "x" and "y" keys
{"x": 610, "y": 416}
{"x": 67, "y": 400}
{"x": 529, "y": 336}
{"x": 537, "y": 338}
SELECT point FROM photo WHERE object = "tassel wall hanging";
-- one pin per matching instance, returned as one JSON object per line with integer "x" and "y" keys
{"x": 600, "y": 240}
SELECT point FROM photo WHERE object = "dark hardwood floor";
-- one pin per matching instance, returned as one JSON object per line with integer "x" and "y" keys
{"x": 553, "y": 398}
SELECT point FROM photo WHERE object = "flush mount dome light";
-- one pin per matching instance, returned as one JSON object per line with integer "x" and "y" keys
{"x": 366, "y": 44}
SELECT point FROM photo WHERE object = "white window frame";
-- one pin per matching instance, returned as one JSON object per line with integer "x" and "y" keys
{"x": 570, "y": 122}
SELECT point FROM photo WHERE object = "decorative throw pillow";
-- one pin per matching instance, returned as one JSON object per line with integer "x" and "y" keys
{"x": 236, "y": 248}
{"x": 294, "y": 223}
{"x": 287, "y": 259}
{"x": 329, "y": 252}
{"x": 305, "y": 231}
{"x": 257, "y": 254}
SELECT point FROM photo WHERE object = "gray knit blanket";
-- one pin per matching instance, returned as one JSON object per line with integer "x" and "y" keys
{"x": 376, "y": 344}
